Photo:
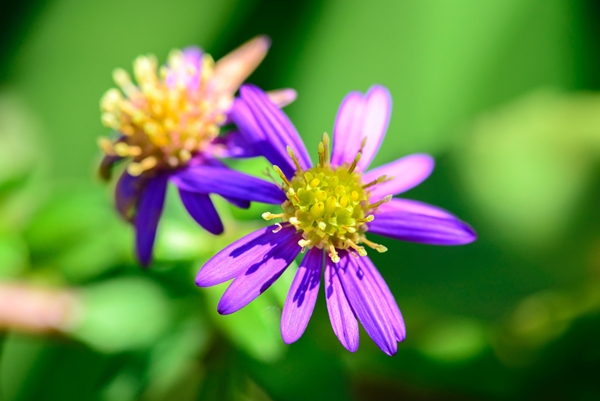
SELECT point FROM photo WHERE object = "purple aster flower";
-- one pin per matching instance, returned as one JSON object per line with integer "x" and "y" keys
{"x": 329, "y": 209}
{"x": 167, "y": 127}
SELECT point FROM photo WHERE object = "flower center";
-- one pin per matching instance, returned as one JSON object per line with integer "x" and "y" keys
{"x": 166, "y": 118}
{"x": 329, "y": 205}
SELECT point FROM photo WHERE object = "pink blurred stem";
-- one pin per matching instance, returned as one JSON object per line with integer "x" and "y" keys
{"x": 36, "y": 309}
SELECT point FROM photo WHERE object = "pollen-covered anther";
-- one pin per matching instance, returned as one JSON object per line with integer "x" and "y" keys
{"x": 333, "y": 254}
{"x": 270, "y": 216}
{"x": 304, "y": 243}
{"x": 378, "y": 247}
{"x": 375, "y": 182}
{"x": 380, "y": 202}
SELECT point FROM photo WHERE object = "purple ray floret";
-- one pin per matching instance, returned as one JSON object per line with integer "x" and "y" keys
{"x": 328, "y": 209}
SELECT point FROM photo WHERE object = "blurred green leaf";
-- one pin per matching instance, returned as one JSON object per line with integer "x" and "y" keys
{"x": 527, "y": 164}
{"x": 454, "y": 340}
{"x": 19, "y": 140}
{"x": 122, "y": 314}
{"x": 254, "y": 328}
{"x": 442, "y": 61}
{"x": 175, "y": 357}
{"x": 21, "y": 159}
{"x": 14, "y": 257}
{"x": 18, "y": 366}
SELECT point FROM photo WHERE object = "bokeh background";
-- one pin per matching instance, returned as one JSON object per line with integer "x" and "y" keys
{"x": 504, "y": 94}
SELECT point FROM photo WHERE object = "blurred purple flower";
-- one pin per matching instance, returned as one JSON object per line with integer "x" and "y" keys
{"x": 167, "y": 129}
{"x": 327, "y": 210}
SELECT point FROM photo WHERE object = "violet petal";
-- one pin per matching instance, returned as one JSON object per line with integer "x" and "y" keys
{"x": 421, "y": 228}
{"x": 358, "y": 118}
{"x": 415, "y": 207}
{"x": 403, "y": 174}
{"x": 241, "y": 203}
{"x": 227, "y": 183}
{"x": 383, "y": 293}
{"x": 276, "y": 125}
{"x": 127, "y": 192}
{"x": 302, "y": 296}
{"x": 149, "y": 210}
{"x": 260, "y": 275}
{"x": 342, "y": 317}
{"x": 282, "y": 97}
{"x": 201, "y": 208}
{"x": 243, "y": 117}
{"x": 367, "y": 302}
{"x": 235, "y": 145}
{"x": 347, "y": 129}
{"x": 245, "y": 252}
{"x": 106, "y": 165}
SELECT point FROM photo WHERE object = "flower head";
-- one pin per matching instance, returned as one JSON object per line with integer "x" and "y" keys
{"x": 328, "y": 210}
{"x": 167, "y": 126}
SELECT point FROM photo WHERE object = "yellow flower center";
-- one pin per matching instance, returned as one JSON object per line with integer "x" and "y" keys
{"x": 329, "y": 205}
{"x": 163, "y": 125}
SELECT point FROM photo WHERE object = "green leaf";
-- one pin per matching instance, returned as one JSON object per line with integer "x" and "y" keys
{"x": 122, "y": 314}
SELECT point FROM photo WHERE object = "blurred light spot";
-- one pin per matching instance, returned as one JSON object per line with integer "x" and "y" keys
{"x": 454, "y": 340}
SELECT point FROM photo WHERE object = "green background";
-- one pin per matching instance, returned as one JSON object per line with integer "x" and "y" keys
{"x": 503, "y": 93}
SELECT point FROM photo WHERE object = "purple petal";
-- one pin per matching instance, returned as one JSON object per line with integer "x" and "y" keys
{"x": 269, "y": 129}
{"x": 260, "y": 275}
{"x": 347, "y": 129}
{"x": 282, "y": 97}
{"x": 189, "y": 72}
{"x": 358, "y": 118}
{"x": 415, "y": 207}
{"x": 421, "y": 228}
{"x": 367, "y": 302}
{"x": 276, "y": 125}
{"x": 245, "y": 252}
{"x": 241, "y": 203}
{"x": 201, "y": 208}
{"x": 385, "y": 296}
{"x": 227, "y": 183}
{"x": 302, "y": 296}
{"x": 342, "y": 317}
{"x": 127, "y": 192}
{"x": 405, "y": 173}
{"x": 147, "y": 216}
{"x": 234, "y": 144}
{"x": 250, "y": 129}
{"x": 106, "y": 165}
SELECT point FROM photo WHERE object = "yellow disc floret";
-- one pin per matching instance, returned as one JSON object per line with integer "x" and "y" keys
{"x": 329, "y": 205}
{"x": 168, "y": 116}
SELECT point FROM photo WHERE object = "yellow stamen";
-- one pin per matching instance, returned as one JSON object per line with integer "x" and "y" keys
{"x": 353, "y": 165}
{"x": 270, "y": 216}
{"x": 359, "y": 249}
{"x": 282, "y": 176}
{"x": 107, "y": 146}
{"x": 378, "y": 247}
{"x": 304, "y": 243}
{"x": 375, "y": 182}
{"x": 333, "y": 254}
{"x": 294, "y": 158}
{"x": 325, "y": 141}
{"x": 381, "y": 202}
